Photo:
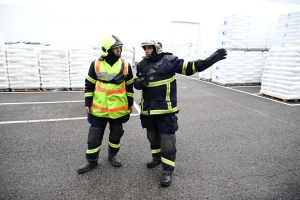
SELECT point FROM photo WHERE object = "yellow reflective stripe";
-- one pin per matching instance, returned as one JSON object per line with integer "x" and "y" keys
{"x": 163, "y": 82}
{"x": 168, "y": 98}
{"x": 90, "y": 151}
{"x": 88, "y": 94}
{"x": 129, "y": 81}
{"x": 159, "y": 112}
{"x": 154, "y": 151}
{"x": 90, "y": 79}
{"x": 114, "y": 145}
{"x": 168, "y": 162}
{"x": 193, "y": 67}
{"x": 129, "y": 94}
{"x": 184, "y": 66}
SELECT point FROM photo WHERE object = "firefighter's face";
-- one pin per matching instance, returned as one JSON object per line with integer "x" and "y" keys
{"x": 117, "y": 51}
{"x": 148, "y": 50}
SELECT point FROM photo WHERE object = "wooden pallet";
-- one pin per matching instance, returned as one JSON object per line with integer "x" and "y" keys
{"x": 205, "y": 79}
{"x": 280, "y": 99}
{"x": 55, "y": 89}
{"x": 25, "y": 90}
{"x": 236, "y": 84}
{"x": 5, "y": 90}
{"x": 77, "y": 89}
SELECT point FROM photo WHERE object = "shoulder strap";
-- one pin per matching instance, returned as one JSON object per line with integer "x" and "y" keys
{"x": 154, "y": 69}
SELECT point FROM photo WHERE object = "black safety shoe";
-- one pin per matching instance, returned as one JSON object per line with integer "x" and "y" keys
{"x": 115, "y": 161}
{"x": 87, "y": 166}
{"x": 166, "y": 179}
{"x": 153, "y": 163}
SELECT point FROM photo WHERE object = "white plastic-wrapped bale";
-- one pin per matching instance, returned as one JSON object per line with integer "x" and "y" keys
{"x": 23, "y": 66}
{"x": 4, "y": 84}
{"x": 54, "y": 68}
{"x": 234, "y": 32}
{"x": 287, "y": 32}
{"x": 253, "y": 66}
{"x": 128, "y": 55}
{"x": 206, "y": 74}
{"x": 257, "y": 39}
{"x": 79, "y": 61}
{"x": 281, "y": 74}
{"x": 230, "y": 70}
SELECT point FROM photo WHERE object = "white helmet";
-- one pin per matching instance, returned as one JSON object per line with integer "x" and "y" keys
{"x": 158, "y": 45}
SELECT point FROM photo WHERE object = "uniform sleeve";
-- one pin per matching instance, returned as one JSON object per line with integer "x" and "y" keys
{"x": 181, "y": 66}
{"x": 129, "y": 86}
{"x": 90, "y": 82}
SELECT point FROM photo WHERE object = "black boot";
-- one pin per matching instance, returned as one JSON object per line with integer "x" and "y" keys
{"x": 115, "y": 161}
{"x": 166, "y": 179}
{"x": 153, "y": 163}
{"x": 87, "y": 166}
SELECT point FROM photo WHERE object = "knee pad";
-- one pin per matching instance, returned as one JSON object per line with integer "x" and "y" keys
{"x": 153, "y": 138}
{"x": 95, "y": 135}
{"x": 168, "y": 143}
{"x": 116, "y": 132}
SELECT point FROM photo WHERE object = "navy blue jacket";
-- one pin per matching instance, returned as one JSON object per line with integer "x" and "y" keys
{"x": 160, "y": 96}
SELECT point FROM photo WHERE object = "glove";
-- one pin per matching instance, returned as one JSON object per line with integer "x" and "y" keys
{"x": 202, "y": 65}
{"x": 215, "y": 57}
{"x": 140, "y": 83}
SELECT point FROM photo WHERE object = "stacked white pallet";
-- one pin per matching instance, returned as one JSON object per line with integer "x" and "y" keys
{"x": 287, "y": 32}
{"x": 79, "y": 61}
{"x": 265, "y": 56}
{"x": 206, "y": 74}
{"x": 281, "y": 74}
{"x": 23, "y": 66}
{"x": 127, "y": 54}
{"x": 54, "y": 68}
{"x": 253, "y": 67}
{"x": 4, "y": 84}
{"x": 234, "y": 32}
{"x": 257, "y": 39}
{"x": 230, "y": 70}
{"x": 96, "y": 52}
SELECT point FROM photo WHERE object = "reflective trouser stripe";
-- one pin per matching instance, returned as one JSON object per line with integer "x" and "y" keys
{"x": 114, "y": 145}
{"x": 154, "y": 151}
{"x": 168, "y": 162}
{"x": 91, "y": 151}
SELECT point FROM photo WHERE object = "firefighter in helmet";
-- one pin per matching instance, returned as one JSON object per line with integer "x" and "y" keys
{"x": 155, "y": 76}
{"x": 108, "y": 100}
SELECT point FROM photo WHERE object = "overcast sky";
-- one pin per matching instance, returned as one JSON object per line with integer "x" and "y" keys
{"x": 88, "y": 21}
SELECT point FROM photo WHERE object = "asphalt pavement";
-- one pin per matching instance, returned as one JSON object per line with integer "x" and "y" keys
{"x": 231, "y": 144}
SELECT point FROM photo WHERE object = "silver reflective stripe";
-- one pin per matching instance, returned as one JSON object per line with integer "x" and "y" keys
{"x": 111, "y": 77}
{"x": 101, "y": 75}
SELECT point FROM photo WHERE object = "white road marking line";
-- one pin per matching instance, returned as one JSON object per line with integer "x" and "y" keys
{"x": 240, "y": 91}
{"x": 49, "y": 102}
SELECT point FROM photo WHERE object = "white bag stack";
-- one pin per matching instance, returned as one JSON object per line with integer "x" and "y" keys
{"x": 23, "y": 67}
{"x": 230, "y": 70}
{"x": 206, "y": 74}
{"x": 253, "y": 67}
{"x": 79, "y": 61}
{"x": 96, "y": 52}
{"x": 281, "y": 74}
{"x": 287, "y": 32}
{"x": 234, "y": 32}
{"x": 4, "y": 84}
{"x": 258, "y": 34}
{"x": 54, "y": 68}
{"x": 127, "y": 55}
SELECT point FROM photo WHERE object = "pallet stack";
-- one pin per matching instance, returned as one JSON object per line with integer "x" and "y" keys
{"x": 281, "y": 74}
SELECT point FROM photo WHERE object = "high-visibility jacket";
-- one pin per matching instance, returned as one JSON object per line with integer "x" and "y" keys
{"x": 110, "y": 100}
